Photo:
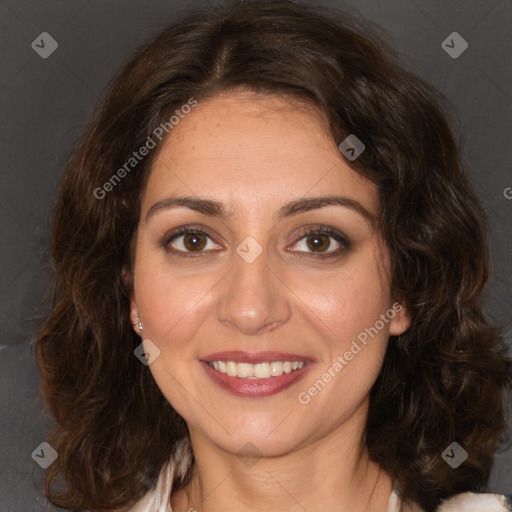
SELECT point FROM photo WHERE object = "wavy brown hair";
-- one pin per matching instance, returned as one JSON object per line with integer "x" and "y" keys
{"x": 443, "y": 380}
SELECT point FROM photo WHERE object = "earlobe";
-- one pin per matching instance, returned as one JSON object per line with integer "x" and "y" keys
{"x": 134, "y": 311}
{"x": 401, "y": 320}
{"x": 135, "y": 318}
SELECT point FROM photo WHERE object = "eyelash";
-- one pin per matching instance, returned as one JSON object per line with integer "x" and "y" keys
{"x": 317, "y": 230}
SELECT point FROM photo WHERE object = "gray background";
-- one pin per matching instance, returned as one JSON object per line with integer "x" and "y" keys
{"x": 44, "y": 103}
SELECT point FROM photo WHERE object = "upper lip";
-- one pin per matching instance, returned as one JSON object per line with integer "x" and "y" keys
{"x": 240, "y": 356}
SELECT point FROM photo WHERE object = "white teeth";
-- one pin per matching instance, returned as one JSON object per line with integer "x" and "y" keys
{"x": 276, "y": 368}
{"x": 231, "y": 368}
{"x": 258, "y": 370}
{"x": 261, "y": 370}
{"x": 245, "y": 370}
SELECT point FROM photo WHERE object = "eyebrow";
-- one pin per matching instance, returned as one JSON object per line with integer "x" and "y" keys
{"x": 213, "y": 208}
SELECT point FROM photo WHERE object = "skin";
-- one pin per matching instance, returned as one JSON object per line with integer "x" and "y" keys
{"x": 254, "y": 153}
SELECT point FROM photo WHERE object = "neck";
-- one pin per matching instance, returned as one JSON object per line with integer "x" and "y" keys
{"x": 332, "y": 473}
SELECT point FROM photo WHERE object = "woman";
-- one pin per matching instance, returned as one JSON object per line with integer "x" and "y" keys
{"x": 269, "y": 266}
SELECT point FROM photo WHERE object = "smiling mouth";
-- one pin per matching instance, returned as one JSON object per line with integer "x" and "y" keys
{"x": 256, "y": 371}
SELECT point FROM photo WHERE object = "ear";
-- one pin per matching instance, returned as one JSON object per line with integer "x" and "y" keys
{"x": 401, "y": 321}
{"x": 127, "y": 278}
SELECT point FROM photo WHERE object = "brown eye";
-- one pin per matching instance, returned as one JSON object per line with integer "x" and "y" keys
{"x": 188, "y": 240}
{"x": 193, "y": 241}
{"x": 318, "y": 241}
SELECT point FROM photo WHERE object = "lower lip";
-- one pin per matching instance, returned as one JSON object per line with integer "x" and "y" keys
{"x": 255, "y": 387}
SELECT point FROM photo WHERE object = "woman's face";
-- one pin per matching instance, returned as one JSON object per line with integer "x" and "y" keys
{"x": 252, "y": 287}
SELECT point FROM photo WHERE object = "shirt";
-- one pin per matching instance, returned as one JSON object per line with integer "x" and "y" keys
{"x": 158, "y": 499}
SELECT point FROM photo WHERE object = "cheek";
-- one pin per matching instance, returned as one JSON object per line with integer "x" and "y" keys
{"x": 349, "y": 302}
{"x": 354, "y": 352}
{"x": 170, "y": 303}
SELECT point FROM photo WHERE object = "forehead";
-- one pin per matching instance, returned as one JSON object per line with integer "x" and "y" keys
{"x": 254, "y": 151}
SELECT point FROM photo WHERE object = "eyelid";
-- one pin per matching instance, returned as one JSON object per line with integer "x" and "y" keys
{"x": 319, "y": 229}
{"x": 328, "y": 231}
{"x": 182, "y": 231}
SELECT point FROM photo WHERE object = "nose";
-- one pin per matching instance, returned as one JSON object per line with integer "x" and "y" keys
{"x": 253, "y": 298}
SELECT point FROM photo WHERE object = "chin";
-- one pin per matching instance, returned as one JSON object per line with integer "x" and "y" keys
{"x": 259, "y": 445}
